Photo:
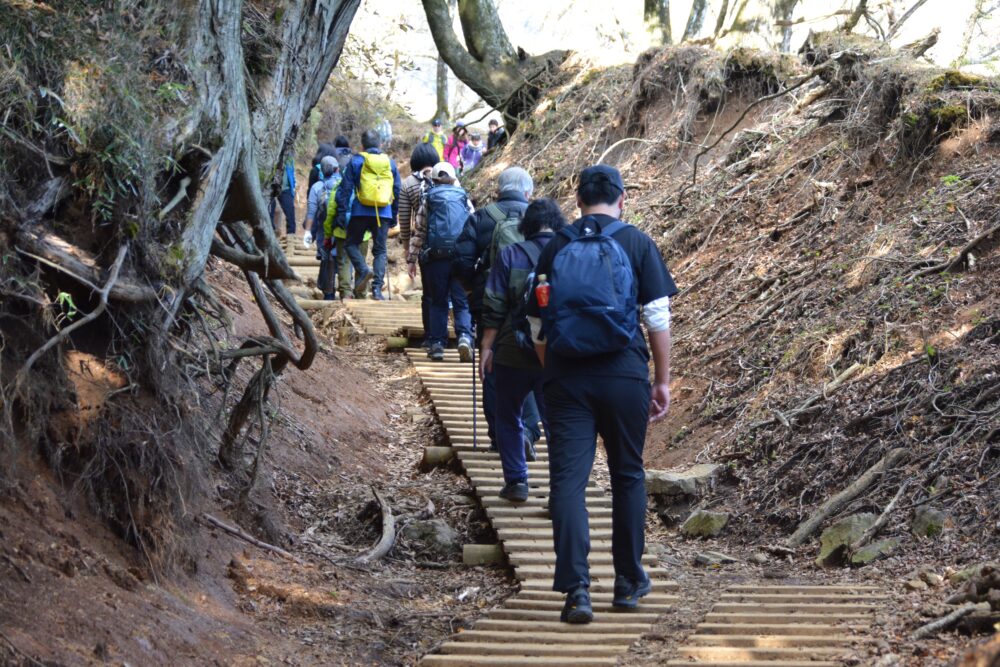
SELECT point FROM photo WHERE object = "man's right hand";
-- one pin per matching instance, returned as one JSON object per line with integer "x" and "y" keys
{"x": 411, "y": 269}
{"x": 485, "y": 363}
{"x": 327, "y": 243}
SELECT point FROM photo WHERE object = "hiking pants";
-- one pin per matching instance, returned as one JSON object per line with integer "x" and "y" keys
{"x": 346, "y": 284}
{"x": 578, "y": 409}
{"x": 529, "y": 410}
{"x": 514, "y": 385}
{"x": 287, "y": 201}
{"x": 380, "y": 255}
{"x": 442, "y": 285}
{"x": 328, "y": 260}
{"x": 425, "y": 301}
{"x": 356, "y": 228}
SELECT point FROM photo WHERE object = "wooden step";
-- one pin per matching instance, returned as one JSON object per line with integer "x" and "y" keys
{"x": 552, "y": 615}
{"x": 441, "y": 660}
{"x": 812, "y": 630}
{"x": 528, "y": 647}
{"x": 599, "y": 607}
{"x": 702, "y": 653}
{"x": 755, "y": 663}
{"x": 561, "y": 639}
{"x": 794, "y": 617}
{"x": 773, "y": 641}
{"x": 791, "y": 608}
{"x": 602, "y": 623}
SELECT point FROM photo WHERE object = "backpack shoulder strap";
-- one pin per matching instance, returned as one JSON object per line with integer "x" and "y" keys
{"x": 495, "y": 212}
{"x": 533, "y": 251}
{"x": 570, "y": 232}
{"x": 614, "y": 228}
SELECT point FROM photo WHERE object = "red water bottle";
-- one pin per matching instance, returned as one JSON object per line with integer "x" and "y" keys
{"x": 542, "y": 291}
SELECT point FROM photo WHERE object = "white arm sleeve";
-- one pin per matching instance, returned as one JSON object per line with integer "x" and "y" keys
{"x": 536, "y": 329}
{"x": 656, "y": 315}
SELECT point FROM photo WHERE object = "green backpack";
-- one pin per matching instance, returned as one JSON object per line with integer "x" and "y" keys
{"x": 505, "y": 231}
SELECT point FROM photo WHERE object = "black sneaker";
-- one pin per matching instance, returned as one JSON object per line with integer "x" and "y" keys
{"x": 436, "y": 352}
{"x": 577, "y": 608}
{"x": 362, "y": 283}
{"x": 515, "y": 492}
{"x": 628, "y": 592}
{"x": 529, "y": 449}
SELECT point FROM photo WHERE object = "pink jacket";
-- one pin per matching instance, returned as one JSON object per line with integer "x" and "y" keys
{"x": 453, "y": 150}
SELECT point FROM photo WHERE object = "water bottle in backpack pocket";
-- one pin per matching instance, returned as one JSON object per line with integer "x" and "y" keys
{"x": 519, "y": 309}
{"x": 446, "y": 211}
{"x": 593, "y": 305}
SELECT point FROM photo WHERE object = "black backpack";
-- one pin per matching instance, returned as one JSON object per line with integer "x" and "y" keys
{"x": 519, "y": 310}
{"x": 445, "y": 213}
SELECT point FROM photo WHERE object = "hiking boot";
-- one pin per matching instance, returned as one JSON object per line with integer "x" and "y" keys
{"x": 465, "y": 348}
{"x": 529, "y": 449}
{"x": 577, "y": 608}
{"x": 362, "y": 284}
{"x": 426, "y": 345}
{"x": 628, "y": 592}
{"x": 437, "y": 352}
{"x": 515, "y": 492}
{"x": 377, "y": 294}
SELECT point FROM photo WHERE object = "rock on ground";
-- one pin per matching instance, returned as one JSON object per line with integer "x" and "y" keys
{"x": 837, "y": 539}
{"x": 703, "y": 523}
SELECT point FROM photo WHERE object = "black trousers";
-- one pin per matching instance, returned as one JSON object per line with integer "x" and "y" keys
{"x": 287, "y": 200}
{"x": 579, "y": 409}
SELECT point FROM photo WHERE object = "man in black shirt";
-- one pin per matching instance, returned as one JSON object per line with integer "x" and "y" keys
{"x": 608, "y": 395}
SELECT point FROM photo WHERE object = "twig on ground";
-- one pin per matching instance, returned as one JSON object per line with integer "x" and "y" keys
{"x": 247, "y": 537}
{"x": 943, "y": 623}
{"x": 883, "y": 518}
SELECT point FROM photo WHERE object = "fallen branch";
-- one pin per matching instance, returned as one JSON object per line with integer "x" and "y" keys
{"x": 839, "y": 501}
{"x": 883, "y": 518}
{"x": 962, "y": 255}
{"x": 943, "y": 623}
{"x": 388, "y": 532}
{"x": 247, "y": 537}
{"x": 809, "y": 405}
{"x": 91, "y": 316}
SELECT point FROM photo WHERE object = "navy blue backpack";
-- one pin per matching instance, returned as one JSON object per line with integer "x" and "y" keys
{"x": 593, "y": 302}
{"x": 446, "y": 213}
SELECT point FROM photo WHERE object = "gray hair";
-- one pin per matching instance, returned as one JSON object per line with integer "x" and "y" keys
{"x": 515, "y": 179}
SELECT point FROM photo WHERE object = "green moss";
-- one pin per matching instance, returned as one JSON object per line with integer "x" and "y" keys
{"x": 948, "y": 115}
{"x": 955, "y": 79}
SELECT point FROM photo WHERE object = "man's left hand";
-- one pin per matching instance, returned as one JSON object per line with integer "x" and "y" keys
{"x": 659, "y": 401}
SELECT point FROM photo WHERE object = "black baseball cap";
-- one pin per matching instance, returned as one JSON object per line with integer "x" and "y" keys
{"x": 437, "y": 122}
{"x": 602, "y": 173}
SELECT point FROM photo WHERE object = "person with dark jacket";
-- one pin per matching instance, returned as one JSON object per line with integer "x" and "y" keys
{"x": 497, "y": 136}
{"x": 514, "y": 362}
{"x": 342, "y": 151}
{"x": 316, "y": 173}
{"x": 600, "y": 388}
{"x": 285, "y": 197}
{"x": 411, "y": 193}
{"x": 366, "y": 218}
{"x": 472, "y": 266}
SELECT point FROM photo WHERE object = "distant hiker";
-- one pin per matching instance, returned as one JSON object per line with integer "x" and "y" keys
{"x": 488, "y": 231}
{"x": 414, "y": 186}
{"x": 591, "y": 281}
{"x": 342, "y": 151}
{"x": 286, "y": 197}
{"x": 384, "y": 129}
{"x": 454, "y": 145}
{"x": 436, "y": 138}
{"x": 497, "y": 136}
{"x": 473, "y": 152}
{"x": 508, "y": 349}
{"x": 370, "y": 191}
{"x": 319, "y": 196}
{"x": 316, "y": 173}
{"x": 335, "y": 240}
{"x": 439, "y": 221}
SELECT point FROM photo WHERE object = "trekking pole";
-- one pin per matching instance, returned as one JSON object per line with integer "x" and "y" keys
{"x": 475, "y": 406}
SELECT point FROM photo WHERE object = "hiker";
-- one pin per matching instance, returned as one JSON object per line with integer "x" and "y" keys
{"x": 476, "y": 247}
{"x": 423, "y": 158}
{"x": 473, "y": 152}
{"x": 316, "y": 173}
{"x": 285, "y": 197}
{"x": 508, "y": 351}
{"x": 319, "y": 196}
{"x": 335, "y": 240}
{"x": 440, "y": 219}
{"x": 370, "y": 191}
{"x": 436, "y": 138}
{"x": 591, "y": 281}
{"x": 454, "y": 145}
{"x": 384, "y": 129}
{"x": 342, "y": 151}
{"x": 497, "y": 136}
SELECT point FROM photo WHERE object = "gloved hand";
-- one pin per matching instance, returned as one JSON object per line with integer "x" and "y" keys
{"x": 307, "y": 238}
{"x": 327, "y": 243}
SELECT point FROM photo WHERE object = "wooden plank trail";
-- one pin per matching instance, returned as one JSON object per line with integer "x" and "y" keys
{"x": 751, "y": 625}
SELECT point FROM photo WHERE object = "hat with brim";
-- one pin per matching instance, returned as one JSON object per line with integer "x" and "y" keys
{"x": 443, "y": 171}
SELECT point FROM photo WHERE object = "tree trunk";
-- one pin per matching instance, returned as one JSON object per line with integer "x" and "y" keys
{"x": 720, "y": 22}
{"x": 699, "y": 8}
{"x": 970, "y": 31}
{"x": 487, "y": 63}
{"x": 782, "y": 14}
{"x": 856, "y": 15}
{"x": 657, "y": 14}
{"x": 442, "y": 91}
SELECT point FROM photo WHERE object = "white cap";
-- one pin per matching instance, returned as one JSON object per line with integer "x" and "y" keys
{"x": 444, "y": 171}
